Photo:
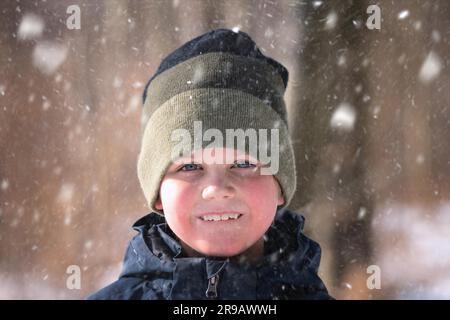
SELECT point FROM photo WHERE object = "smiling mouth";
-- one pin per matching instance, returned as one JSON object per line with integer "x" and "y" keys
{"x": 221, "y": 217}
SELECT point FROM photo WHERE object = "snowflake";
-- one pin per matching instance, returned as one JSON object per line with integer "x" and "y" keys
{"x": 31, "y": 27}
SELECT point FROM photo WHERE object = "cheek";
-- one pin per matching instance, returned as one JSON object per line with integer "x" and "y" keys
{"x": 261, "y": 195}
{"x": 177, "y": 198}
{"x": 175, "y": 194}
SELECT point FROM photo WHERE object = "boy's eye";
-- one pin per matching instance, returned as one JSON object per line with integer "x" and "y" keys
{"x": 190, "y": 167}
{"x": 243, "y": 164}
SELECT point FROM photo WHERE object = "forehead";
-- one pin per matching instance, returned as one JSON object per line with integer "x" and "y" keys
{"x": 215, "y": 156}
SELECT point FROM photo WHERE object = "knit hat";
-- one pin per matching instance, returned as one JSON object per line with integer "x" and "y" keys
{"x": 222, "y": 79}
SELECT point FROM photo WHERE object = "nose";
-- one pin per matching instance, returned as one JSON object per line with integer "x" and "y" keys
{"x": 218, "y": 188}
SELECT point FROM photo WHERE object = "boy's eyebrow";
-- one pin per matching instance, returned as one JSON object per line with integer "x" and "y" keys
{"x": 199, "y": 160}
{"x": 189, "y": 161}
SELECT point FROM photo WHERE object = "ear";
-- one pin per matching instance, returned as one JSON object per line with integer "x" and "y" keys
{"x": 158, "y": 204}
{"x": 280, "y": 196}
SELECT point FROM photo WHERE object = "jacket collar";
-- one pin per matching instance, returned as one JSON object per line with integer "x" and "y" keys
{"x": 156, "y": 244}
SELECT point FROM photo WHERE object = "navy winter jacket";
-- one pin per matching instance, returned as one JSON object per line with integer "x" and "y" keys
{"x": 155, "y": 267}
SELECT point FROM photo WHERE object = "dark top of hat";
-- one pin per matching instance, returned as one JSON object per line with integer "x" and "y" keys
{"x": 220, "y": 40}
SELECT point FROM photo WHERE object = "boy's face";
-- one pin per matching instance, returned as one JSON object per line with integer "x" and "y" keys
{"x": 193, "y": 191}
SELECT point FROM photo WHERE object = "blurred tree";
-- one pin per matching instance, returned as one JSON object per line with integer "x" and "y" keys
{"x": 330, "y": 137}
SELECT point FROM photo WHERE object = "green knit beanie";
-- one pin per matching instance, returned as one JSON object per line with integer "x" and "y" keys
{"x": 219, "y": 82}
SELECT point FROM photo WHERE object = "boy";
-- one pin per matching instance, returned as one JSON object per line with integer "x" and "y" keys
{"x": 219, "y": 228}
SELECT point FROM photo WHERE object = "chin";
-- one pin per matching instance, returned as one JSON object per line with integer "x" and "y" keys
{"x": 221, "y": 252}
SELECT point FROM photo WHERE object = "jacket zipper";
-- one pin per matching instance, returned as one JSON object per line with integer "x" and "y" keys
{"x": 211, "y": 292}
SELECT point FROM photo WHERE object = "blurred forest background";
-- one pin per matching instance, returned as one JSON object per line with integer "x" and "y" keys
{"x": 368, "y": 110}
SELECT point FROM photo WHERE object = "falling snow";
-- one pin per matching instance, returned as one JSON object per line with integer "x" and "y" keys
{"x": 137, "y": 85}
{"x": 31, "y": 27}
{"x": 48, "y": 56}
{"x": 71, "y": 112}
{"x": 362, "y": 213}
{"x": 343, "y": 117}
{"x": 4, "y": 185}
{"x": 403, "y": 15}
{"x": 198, "y": 74}
{"x": 317, "y": 3}
{"x": 331, "y": 21}
{"x": 88, "y": 244}
{"x": 431, "y": 68}
{"x": 66, "y": 192}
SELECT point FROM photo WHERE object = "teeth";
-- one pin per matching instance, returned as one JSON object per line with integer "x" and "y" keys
{"x": 221, "y": 217}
